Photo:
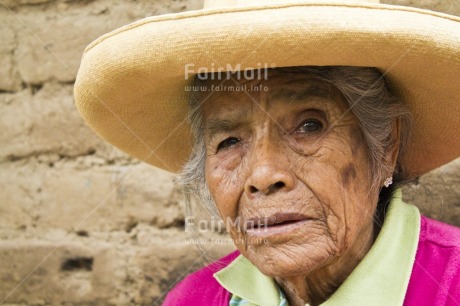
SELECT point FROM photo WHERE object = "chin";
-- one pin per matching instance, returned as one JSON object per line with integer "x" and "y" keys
{"x": 288, "y": 260}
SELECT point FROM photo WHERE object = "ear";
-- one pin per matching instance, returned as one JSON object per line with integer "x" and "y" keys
{"x": 393, "y": 150}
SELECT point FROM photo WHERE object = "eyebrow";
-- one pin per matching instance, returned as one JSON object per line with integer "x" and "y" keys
{"x": 231, "y": 122}
{"x": 290, "y": 95}
{"x": 234, "y": 120}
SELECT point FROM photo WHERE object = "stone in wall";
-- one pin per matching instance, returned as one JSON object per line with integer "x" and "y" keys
{"x": 9, "y": 74}
{"x": 444, "y": 6}
{"x": 136, "y": 268}
{"x": 50, "y": 38}
{"x": 43, "y": 120}
{"x": 38, "y": 272}
{"x": 437, "y": 193}
{"x": 74, "y": 194}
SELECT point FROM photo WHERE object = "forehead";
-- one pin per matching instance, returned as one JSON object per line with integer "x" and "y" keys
{"x": 290, "y": 88}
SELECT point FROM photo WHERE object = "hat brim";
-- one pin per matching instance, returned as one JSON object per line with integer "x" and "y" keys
{"x": 130, "y": 87}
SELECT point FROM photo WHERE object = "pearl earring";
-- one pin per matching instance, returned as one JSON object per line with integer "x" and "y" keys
{"x": 388, "y": 181}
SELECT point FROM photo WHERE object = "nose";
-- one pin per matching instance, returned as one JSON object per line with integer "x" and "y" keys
{"x": 269, "y": 173}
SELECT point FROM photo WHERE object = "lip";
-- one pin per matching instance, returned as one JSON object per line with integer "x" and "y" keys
{"x": 280, "y": 223}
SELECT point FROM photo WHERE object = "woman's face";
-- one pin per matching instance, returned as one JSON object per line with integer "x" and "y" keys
{"x": 289, "y": 171}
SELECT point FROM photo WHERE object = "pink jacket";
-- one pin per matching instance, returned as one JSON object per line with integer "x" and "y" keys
{"x": 435, "y": 278}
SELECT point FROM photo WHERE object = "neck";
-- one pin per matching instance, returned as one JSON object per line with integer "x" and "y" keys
{"x": 318, "y": 286}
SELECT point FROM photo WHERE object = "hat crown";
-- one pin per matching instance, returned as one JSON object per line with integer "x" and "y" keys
{"x": 232, "y": 3}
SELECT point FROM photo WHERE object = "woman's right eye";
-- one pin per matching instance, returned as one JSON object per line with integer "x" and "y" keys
{"x": 227, "y": 143}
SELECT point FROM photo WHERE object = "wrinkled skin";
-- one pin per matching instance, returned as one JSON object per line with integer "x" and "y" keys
{"x": 296, "y": 149}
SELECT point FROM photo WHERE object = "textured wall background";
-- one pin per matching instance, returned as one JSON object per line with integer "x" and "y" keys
{"x": 80, "y": 222}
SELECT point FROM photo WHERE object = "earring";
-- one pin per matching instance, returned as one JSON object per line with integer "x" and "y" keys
{"x": 388, "y": 181}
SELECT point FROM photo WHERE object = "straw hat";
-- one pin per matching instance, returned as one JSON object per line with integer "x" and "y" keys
{"x": 131, "y": 84}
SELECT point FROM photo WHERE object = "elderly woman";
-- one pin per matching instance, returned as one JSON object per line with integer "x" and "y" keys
{"x": 302, "y": 162}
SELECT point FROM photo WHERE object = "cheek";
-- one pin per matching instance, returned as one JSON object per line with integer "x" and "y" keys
{"x": 357, "y": 197}
{"x": 224, "y": 186}
{"x": 348, "y": 174}
{"x": 338, "y": 176}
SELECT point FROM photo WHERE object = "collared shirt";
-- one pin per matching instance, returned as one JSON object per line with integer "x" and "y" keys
{"x": 386, "y": 268}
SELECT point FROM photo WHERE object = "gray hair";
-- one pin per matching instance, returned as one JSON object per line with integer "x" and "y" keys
{"x": 368, "y": 97}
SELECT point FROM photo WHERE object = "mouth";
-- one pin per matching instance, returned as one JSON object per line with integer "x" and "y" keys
{"x": 275, "y": 224}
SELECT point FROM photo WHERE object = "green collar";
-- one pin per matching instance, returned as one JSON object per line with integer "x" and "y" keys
{"x": 381, "y": 278}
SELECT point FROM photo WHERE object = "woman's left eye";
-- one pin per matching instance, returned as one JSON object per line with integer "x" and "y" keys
{"x": 229, "y": 142}
{"x": 310, "y": 126}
